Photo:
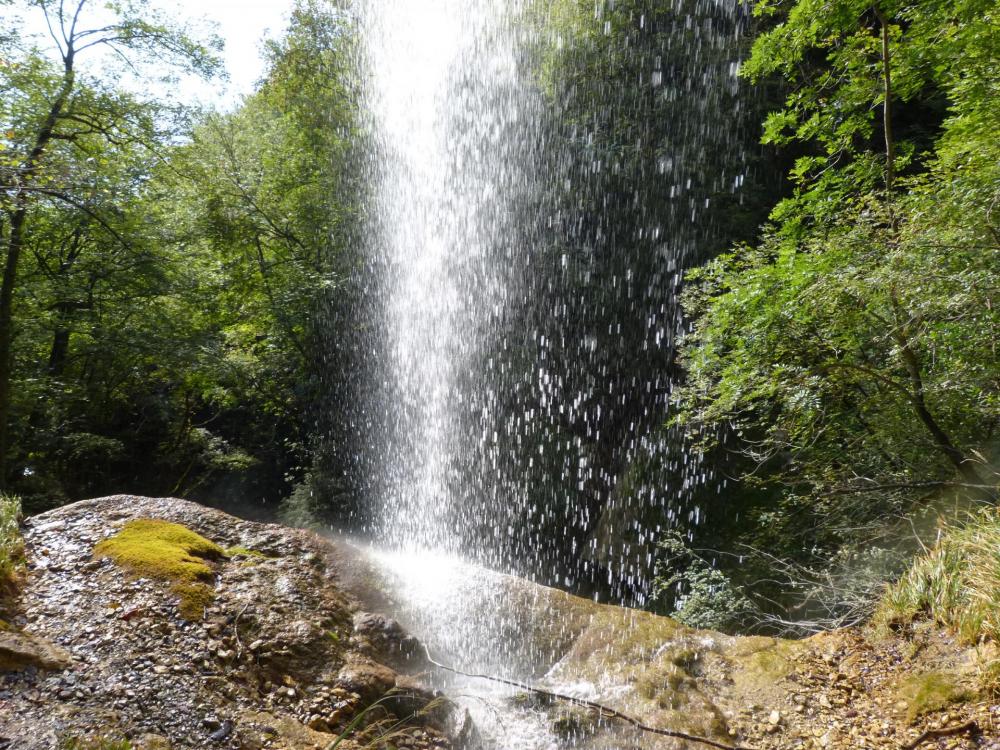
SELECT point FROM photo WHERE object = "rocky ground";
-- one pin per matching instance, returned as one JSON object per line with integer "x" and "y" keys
{"x": 839, "y": 690}
{"x": 834, "y": 691}
{"x": 281, "y": 659}
{"x": 293, "y": 648}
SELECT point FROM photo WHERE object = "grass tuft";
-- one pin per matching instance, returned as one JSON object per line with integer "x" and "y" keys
{"x": 11, "y": 543}
{"x": 164, "y": 551}
{"x": 956, "y": 584}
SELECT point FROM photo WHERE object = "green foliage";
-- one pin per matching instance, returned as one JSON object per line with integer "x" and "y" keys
{"x": 11, "y": 543}
{"x": 848, "y": 356}
{"x": 695, "y": 592}
{"x": 172, "y": 265}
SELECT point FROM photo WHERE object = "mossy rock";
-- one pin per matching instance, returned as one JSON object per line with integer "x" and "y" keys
{"x": 244, "y": 552}
{"x": 169, "y": 552}
{"x": 759, "y": 662}
{"x": 575, "y": 723}
{"x": 668, "y": 686}
{"x": 928, "y": 692}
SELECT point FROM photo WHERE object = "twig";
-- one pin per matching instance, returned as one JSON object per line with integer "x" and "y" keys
{"x": 602, "y": 710}
{"x": 236, "y": 632}
{"x": 932, "y": 734}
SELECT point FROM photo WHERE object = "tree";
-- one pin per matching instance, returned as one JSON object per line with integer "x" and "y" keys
{"x": 262, "y": 198}
{"x": 62, "y": 104}
{"x": 850, "y": 352}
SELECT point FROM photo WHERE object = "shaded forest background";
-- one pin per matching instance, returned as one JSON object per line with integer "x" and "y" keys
{"x": 179, "y": 306}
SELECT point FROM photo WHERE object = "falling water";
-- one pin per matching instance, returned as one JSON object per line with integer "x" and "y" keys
{"x": 454, "y": 129}
{"x": 526, "y": 237}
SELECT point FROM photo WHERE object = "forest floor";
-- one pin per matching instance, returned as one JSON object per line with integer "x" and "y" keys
{"x": 286, "y": 656}
{"x": 843, "y": 690}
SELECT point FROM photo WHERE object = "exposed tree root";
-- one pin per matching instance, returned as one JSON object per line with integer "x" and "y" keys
{"x": 932, "y": 734}
{"x": 602, "y": 710}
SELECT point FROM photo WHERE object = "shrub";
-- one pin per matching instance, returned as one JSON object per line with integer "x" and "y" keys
{"x": 956, "y": 584}
{"x": 694, "y": 592}
{"x": 11, "y": 543}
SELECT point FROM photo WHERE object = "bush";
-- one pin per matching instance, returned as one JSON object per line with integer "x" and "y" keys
{"x": 11, "y": 543}
{"x": 694, "y": 592}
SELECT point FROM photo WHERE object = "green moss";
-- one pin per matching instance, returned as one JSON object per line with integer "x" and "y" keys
{"x": 932, "y": 691}
{"x": 243, "y": 552}
{"x": 169, "y": 552}
{"x": 193, "y": 599}
{"x": 759, "y": 662}
{"x": 666, "y": 686}
{"x": 771, "y": 664}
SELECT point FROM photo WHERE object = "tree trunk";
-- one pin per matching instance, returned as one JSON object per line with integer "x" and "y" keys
{"x": 890, "y": 141}
{"x": 59, "y": 352}
{"x": 15, "y": 245}
{"x": 962, "y": 462}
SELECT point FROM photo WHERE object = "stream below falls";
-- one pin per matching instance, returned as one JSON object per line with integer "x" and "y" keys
{"x": 483, "y": 622}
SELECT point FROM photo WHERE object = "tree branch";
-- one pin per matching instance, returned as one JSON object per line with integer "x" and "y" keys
{"x": 602, "y": 710}
{"x": 932, "y": 734}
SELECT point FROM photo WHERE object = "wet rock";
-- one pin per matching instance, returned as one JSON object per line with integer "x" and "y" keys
{"x": 211, "y": 723}
{"x": 223, "y": 732}
{"x": 275, "y": 639}
{"x": 369, "y": 680}
{"x": 386, "y": 641}
{"x": 20, "y": 650}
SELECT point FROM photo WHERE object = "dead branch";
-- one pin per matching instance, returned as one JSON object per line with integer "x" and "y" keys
{"x": 236, "y": 632}
{"x": 933, "y": 734}
{"x": 602, "y": 710}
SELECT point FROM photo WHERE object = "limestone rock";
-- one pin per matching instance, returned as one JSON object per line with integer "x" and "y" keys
{"x": 19, "y": 650}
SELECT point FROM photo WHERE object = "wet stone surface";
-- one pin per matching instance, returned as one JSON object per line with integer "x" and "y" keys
{"x": 276, "y": 662}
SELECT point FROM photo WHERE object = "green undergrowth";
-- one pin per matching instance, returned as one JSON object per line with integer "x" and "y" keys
{"x": 11, "y": 544}
{"x": 169, "y": 552}
{"x": 956, "y": 584}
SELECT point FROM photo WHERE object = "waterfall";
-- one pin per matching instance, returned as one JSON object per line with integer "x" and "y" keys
{"x": 453, "y": 125}
{"x": 541, "y": 173}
